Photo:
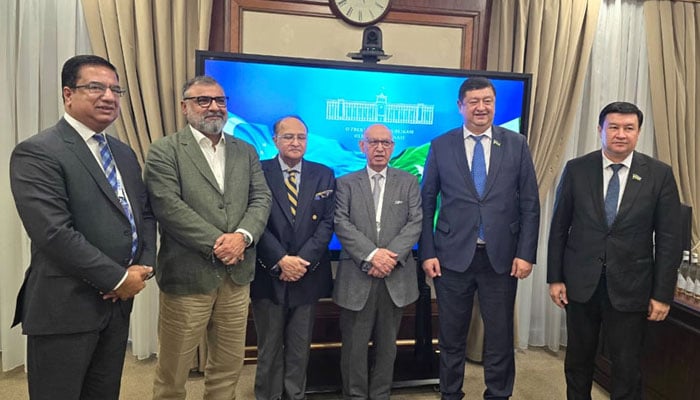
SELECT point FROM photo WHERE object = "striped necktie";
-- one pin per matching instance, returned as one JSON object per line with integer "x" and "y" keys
{"x": 110, "y": 170}
{"x": 292, "y": 191}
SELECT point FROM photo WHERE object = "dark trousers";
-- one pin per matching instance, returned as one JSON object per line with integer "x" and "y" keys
{"x": 379, "y": 321}
{"x": 80, "y": 365}
{"x": 455, "y": 297}
{"x": 624, "y": 336}
{"x": 284, "y": 340}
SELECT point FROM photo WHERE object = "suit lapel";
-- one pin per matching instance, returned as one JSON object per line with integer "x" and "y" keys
{"x": 595, "y": 186}
{"x": 191, "y": 147}
{"x": 460, "y": 156}
{"x": 309, "y": 183}
{"x": 366, "y": 196}
{"x": 638, "y": 170}
{"x": 76, "y": 144}
{"x": 391, "y": 190}
{"x": 275, "y": 178}
{"x": 495, "y": 160}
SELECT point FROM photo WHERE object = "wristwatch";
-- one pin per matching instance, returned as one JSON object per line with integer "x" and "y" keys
{"x": 248, "y": 241}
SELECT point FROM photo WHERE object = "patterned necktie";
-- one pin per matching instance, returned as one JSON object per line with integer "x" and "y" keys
{"x": 110, "y": 170}
{"x": 377, "y": 190}
{"x": 479, "y": 174}
{"x": 613, "y": 194}
{"x": 292, "y": 191}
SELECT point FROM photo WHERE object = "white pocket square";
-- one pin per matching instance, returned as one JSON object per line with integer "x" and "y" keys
{"x": 324, "y": 194}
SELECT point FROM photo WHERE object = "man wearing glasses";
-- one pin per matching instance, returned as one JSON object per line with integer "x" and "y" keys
{"x": 81, "y": 199}
{"x": 378, "y": 220}
{"x": 211, "y": 200}
{"x": 293, "y": 268}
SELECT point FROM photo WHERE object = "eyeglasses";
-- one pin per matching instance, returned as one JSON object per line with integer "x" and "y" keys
{"x": 377, "y": 142}
{"x": 289, "y": 137}
{"x": 205, "y": 101}
{"x": 97, "y": 88}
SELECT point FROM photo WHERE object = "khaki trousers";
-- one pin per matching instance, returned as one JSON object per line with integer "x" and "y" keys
{"x": 184, "y": 320}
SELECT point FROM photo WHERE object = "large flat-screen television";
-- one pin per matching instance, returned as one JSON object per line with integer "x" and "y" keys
{"x": 338, "y": 100}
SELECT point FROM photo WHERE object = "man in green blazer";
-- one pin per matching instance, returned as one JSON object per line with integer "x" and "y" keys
{"x": 209, "y": 195}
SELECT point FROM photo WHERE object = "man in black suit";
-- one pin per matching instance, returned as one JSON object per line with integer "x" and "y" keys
{"x": 80, "y": 196}
{"x": 293, "y": 268}
{"x": 614, "y": 248}
{"x": 485, "y": 238}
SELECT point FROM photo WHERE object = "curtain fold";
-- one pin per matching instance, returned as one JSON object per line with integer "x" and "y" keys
{"x": 552, "y": 40}
{"x": 152, "y": 44}
{"x": 673, "y": 34}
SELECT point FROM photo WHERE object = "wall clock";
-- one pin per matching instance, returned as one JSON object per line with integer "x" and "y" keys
{"x": 360, "y": 12}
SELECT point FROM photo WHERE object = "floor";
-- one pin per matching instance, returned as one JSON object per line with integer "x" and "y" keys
{"x": 540, "y": 376}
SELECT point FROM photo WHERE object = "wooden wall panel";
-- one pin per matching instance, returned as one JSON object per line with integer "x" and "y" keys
{"x": 471, "y": 16}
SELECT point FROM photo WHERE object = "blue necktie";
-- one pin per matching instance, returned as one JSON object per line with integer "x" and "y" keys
{"x": 613, "y": 194}
{"x": 110, "y": 169}
{"x": 479, "y": 173}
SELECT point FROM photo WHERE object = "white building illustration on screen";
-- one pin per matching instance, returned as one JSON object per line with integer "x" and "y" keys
{"x": 379, "y": 111}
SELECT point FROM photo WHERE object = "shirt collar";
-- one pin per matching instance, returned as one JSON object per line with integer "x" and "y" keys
{"x": 199, "y": 136}
{"x": 627, "y": 162}
{"x": 372, "y": 172}
{"x": 466, "y": 133}
{"x": 84, "y": 132}
{"x": 286, "y": 167}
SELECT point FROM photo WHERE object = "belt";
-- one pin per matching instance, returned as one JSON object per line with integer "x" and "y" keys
{"x": 481, "y": 246}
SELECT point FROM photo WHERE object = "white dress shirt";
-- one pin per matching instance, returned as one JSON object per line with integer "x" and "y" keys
{"x": 470, "y": 142}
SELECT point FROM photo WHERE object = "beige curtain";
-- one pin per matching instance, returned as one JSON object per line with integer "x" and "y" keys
{"x": 552, "y": 40}
{"x": 673, "y": 37}
{"x": 152, "y": 45}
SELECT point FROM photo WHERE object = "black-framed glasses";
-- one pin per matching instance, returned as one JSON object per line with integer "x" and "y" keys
{"x": 98, "y": 88}
{"x": 377, "y": 142}
{"x": 205, "y": 101}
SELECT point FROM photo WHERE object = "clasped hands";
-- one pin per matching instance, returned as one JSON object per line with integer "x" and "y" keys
{"x": 293, "y": 268}
{"x": 136, "y": 276}
{"x": 230, "y": 248}
{"x": 383, "y": 262}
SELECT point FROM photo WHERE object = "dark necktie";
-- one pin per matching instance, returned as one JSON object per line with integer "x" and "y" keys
{"x": 479, "y": 174}
{"x": 110, "y": 170}
{"x": 292, "y": 191}
{"x": 613, "y": 194}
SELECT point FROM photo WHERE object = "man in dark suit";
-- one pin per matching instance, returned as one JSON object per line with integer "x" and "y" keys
{"x": 93, "y": 240}
{"x": 377, "y": 220}
{"x": 484, "y": 239}
{"x": 211, "y": 200}
{"x": 293, "y": 269}
{"x": 614, "y": 249}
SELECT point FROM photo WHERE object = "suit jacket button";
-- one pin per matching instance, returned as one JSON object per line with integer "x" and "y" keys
{"x": 221, "y": 206}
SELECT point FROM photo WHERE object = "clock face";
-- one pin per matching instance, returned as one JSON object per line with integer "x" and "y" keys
{"x": 360, "y": 12}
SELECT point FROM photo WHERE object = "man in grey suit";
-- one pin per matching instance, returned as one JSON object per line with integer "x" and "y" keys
{"x": 485, "y": 237}
{"x": 294, "y": 265}
{"x": 211, "y": 200}
{"x": 81, "y": 199}
{"x": 378, "y": 220}
{"x": 614, "y": 249}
